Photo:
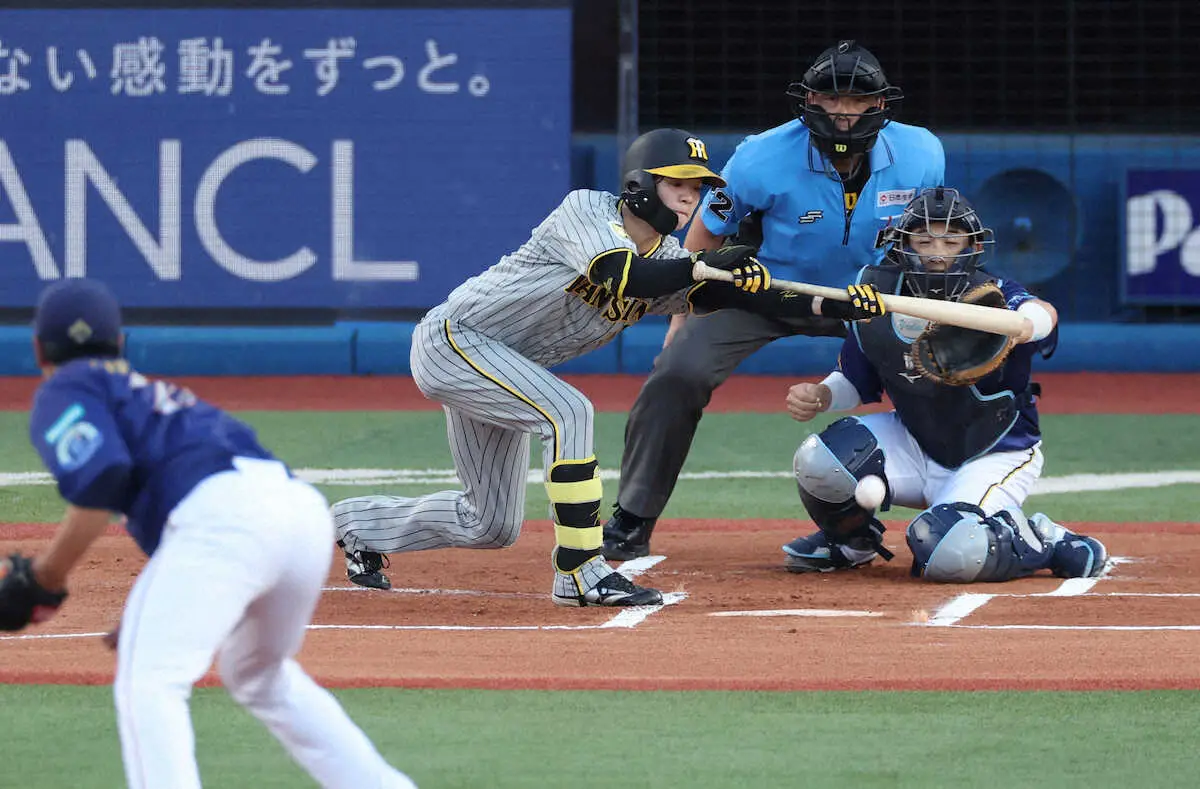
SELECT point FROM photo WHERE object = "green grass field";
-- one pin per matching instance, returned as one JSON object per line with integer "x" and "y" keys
{"x": 66, "y": 736}
{"x": 58, "y": 737}
{"x": 726, "y": 442}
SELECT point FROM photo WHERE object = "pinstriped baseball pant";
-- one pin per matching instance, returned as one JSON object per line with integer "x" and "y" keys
{"x": 494, "y": 399}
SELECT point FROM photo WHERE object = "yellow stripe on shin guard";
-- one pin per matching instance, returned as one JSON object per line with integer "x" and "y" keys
{"x": 575, "y": 490}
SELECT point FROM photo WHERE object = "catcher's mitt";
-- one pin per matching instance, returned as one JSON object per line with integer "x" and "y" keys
{"x": 22, "y": 599}
{"x": 957, "y": 356}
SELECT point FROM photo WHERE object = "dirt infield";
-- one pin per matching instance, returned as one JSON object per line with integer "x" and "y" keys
{"x": 484, "y": 619}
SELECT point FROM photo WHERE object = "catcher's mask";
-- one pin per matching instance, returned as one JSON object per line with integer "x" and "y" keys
{"x": 844, "y": 69}
{"x": 662, "y": 153}
{"x": 940, "y": 213}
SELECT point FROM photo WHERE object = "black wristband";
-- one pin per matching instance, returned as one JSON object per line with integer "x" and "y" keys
{"x": 711, "y": 296}
{"x": 627, "y": 275}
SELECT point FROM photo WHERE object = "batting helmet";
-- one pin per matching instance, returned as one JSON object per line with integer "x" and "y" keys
{"x": 844, "y": 69}
{"x": 662, "y": 153}
{"x": 940, "y": 211}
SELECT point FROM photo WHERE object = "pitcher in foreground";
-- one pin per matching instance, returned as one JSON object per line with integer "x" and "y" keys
{"x": 239, "y": 551}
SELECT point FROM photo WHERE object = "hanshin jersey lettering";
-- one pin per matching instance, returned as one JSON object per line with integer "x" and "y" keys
{"x": 483, "y": 354}
{"x": 538, "y": 300}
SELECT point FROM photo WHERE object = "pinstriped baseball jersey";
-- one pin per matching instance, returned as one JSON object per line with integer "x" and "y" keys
{"x": 538, "y": 300}
{"x": 483, "y": 354}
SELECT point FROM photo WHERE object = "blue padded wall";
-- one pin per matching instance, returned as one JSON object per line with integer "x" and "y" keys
{"x": 285, "y": 350}
{"x": 16, "y": 351}
{"x": 383, "y": 349}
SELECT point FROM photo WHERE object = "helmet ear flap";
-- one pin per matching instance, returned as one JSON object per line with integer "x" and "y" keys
{"x": 636, "y": 180}
{"x": 641, "y": 195}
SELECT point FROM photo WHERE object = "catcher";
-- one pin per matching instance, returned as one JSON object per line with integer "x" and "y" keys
{"x": 962, "y": 442}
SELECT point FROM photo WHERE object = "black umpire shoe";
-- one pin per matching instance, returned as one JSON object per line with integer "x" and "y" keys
{"x": 626, "y": 536}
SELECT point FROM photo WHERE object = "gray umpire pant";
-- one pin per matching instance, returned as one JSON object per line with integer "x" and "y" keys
{"x": 662, "y": 423}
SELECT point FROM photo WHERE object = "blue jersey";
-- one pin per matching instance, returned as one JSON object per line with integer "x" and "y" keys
{"x": 813, "y": 231}
{"x": 892, "y": 372}
{"x": 118, "y": 441}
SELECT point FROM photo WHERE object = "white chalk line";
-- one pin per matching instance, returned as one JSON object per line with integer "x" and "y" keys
{"x": 1075, "y": 627}
{"x": 367, "y": 477}
{"x": 816, "y": 613}
{"x": 960, "y": 607}
{"x": 45, "y": 636}
{"x": 949, "y": 615}
{"x": 624, "y": 618}
{"x": 963, "y": 605}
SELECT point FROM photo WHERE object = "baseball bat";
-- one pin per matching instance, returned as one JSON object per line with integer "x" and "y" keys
{"x": 969, "y": 316}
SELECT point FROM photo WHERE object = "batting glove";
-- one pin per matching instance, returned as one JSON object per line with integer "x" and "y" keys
{"x": 866, "y": 301}
{"x": 751, "y": 276}
{"x": 728, "y": 257}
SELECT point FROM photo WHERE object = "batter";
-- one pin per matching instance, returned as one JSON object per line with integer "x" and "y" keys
{"x": 595, "y": 265}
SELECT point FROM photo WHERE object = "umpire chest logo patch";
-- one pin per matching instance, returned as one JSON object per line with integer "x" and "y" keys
{"x": 890, "y": 197}
{"x": 808, "y": 217}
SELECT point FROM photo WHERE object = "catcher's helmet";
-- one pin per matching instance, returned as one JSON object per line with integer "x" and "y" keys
{"x": 662, "y": 153}
{"x": 844, "y": 69}
{"x": 940, "y": 211}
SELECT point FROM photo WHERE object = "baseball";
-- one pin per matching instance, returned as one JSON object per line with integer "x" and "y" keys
{"x": 869, "y": 492}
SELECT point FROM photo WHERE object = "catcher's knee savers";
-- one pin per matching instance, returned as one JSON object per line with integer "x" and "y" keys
{"x": 958, "y": 543}
{"x": 574, "y": 490}
{"x": 828, "y": 466}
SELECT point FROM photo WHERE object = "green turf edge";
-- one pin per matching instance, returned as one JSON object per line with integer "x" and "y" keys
{"x": 61, "y": 736}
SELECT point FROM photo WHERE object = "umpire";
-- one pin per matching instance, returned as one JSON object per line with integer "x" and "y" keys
{"x": 818, "y": 189}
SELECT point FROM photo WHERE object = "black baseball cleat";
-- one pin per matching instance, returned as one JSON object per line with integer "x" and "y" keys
{"x": 365, "y": 568}
{"x": 596, "y": 583}
{"x": 626, "y": 536}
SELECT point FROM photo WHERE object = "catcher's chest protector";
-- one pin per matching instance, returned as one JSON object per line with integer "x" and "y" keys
{"x": 952, "y": 424}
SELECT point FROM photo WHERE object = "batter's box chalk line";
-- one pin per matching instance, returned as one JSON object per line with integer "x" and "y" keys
{"x": 952, "y": 613}
{"x": 624, "y": 618}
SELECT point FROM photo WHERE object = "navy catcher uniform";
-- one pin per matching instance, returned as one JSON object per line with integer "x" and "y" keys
{"x": 238, "y": 552}
{"x": 967, "y": 455}
{"x": 595, "y": 265}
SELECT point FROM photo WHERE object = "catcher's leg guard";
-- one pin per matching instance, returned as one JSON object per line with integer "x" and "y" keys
{"x": 828, "y": 466}
{"x": 958, "y": 543}
{"x": 1075, "y": 555}
{"x": 574, "y": 490}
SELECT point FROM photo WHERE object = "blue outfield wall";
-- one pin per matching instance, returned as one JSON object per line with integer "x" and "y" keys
{"x": 1062, "y": 197}
{"x": 383, "y": 349}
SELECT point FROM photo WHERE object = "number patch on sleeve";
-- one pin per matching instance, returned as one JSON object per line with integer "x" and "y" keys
{"x": 721, "y": 205}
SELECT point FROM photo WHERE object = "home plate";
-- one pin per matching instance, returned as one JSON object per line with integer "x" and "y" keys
{"x": 813, "y": 612}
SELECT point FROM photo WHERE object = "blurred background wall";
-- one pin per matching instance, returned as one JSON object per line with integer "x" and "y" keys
{"x": 405, "y": 146}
